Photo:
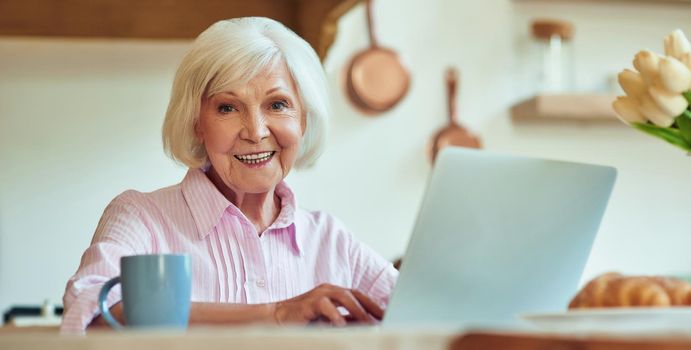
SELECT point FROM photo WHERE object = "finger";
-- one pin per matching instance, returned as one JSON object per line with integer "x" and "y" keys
{"x": 353, "y": 320}
{"x": 350, "y": 319}
{"x": 345, "y": 298}
{"x": 329, "y": 310}
{"x": 320, "y": 321}
{"x": 370, "y": 305}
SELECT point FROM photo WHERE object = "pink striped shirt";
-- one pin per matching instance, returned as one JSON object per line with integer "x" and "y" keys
{"x": 231, "y": 262}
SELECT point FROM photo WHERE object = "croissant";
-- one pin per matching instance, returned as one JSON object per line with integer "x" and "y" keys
{"x": 616, "y": 290}
{"x": 678, "y": 291}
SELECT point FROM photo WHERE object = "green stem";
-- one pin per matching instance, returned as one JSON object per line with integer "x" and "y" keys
{"x": 684, "y": 124}
{"x": 687, "y": 96}
{"x": 670, "y": 135}
{"x": 686, "y": 114}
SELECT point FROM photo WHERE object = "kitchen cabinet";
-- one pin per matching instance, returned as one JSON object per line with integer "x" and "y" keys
{"x": 314, "y": 20}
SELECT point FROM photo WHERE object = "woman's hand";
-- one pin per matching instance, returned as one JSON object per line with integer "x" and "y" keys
{"x": 320, "y": 303}
{"x": 323, "y": 301}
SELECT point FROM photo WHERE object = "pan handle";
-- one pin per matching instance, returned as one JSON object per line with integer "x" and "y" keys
{"x": 370, "y": 23}
{"x": 451, "y": 90}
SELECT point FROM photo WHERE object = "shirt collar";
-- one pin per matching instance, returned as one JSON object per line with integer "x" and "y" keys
{"x": 207, "y": 205}
{"x": 287, "y": 219}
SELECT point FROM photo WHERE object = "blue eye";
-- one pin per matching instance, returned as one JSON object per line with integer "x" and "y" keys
{"x": 226, "y": 108}
{"x": 279, "y": 105}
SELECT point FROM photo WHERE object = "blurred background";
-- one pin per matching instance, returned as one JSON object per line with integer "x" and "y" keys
{"x": 80, "y": 121}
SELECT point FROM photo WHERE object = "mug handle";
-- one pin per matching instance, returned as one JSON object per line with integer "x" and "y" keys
{"x": 103, "y": 304}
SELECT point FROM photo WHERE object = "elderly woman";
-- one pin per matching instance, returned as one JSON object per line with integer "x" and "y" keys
{"x": 249, "y": 102}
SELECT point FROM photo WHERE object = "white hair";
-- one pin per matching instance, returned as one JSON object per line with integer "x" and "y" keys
{"x": 232, "y": 52}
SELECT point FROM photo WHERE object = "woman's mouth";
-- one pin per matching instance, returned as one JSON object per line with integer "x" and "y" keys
{"x": 255, "y": 159}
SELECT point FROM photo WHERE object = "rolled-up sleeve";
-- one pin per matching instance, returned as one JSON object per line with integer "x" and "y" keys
{"x": 120, "y": 232}
{"x": 372, "y": 274}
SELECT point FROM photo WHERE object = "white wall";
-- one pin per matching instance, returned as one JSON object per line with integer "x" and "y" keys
{"x": 374, "y": 171}
{"x": 80, "y": 122}
{"x": 645, "y": 228}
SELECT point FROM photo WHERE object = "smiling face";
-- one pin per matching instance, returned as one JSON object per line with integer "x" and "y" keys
{"x": 252, "y": 133}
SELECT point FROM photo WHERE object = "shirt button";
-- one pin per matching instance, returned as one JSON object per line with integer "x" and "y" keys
{"x": 261, "y": 283}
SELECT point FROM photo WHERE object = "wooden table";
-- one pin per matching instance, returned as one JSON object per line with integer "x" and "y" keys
{"x": 273, "y": 338}
{"x": 331, "y": 338}
{"x": 543, "y": 341}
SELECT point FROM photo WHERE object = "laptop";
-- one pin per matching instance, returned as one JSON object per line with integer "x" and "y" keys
{"x": 498, "y": 236}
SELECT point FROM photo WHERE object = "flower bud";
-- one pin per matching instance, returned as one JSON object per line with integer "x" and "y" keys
{"x": 647, "y": 63}
{"x": 627, "y": 110}
{"x": 670, "y": 103}
{"x": 632, "y": 83}
{"x": 674, "y": 75}
{"x": 686, "y": 59}
{"x": 676, "y": 44}
{"x": 653, "y": 113}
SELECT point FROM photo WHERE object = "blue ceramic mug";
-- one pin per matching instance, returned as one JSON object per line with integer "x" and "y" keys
{"x": 156, "y": 291}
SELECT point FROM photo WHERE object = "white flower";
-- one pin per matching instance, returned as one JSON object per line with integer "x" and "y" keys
{"x": 632, "y": 83}
{"x": 686, "y": 59}
{"x": 647, "y": 64}
{"x": 627, "y": 109}
{"x": 676, "y": 44}
{"x": 655, "y": 92}
{"x": 674, "y": 75}
{"x": 653, "y": 113}
{"x": 671, "y": 103}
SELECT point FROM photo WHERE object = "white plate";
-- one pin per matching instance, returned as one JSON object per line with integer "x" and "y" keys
{"x": 616, "y": 320}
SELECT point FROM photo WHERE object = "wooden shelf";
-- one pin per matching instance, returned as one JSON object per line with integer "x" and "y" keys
{"x": 314, "y": 20}
{"x": 565, "y": 107}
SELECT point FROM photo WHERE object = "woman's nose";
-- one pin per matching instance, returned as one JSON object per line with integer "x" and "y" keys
{"x": 255, "y": 128}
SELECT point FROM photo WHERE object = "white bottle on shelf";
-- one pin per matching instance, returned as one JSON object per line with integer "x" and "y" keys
{"x": 553, "y": 40}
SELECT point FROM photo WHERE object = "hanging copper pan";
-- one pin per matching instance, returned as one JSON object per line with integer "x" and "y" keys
{"x": 376, "y": 79}
{"x": 454, "y": 134}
